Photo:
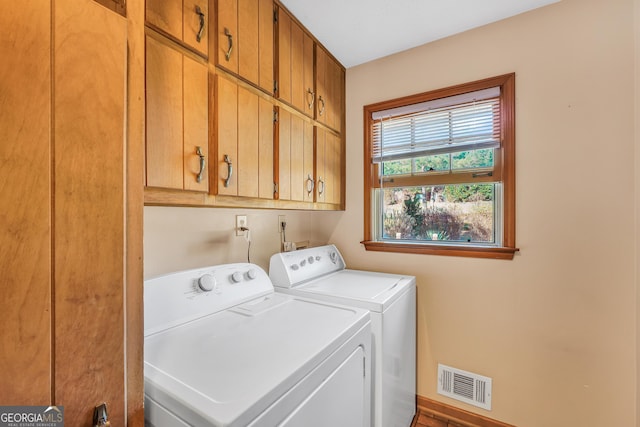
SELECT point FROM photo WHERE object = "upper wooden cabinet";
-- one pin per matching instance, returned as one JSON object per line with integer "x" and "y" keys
{"x": 244, "y": 157}
{"x": 245, "y": 40}
{"x": 186, "y": 21}
{"x": 329, "y": 90}
{"x": 177, "y": 119}
{"x": 273, "y": 121}
{"x": 295, "y": 64}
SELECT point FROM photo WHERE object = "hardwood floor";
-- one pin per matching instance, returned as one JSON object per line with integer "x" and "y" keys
{"x": 431, "y": 413}
{"x": 423, "y": 419}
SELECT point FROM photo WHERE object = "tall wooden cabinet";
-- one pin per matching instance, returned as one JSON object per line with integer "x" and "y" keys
{"x": 64, "y": 235}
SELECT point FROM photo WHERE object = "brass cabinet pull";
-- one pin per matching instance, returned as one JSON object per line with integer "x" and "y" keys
{"x": 313, "y": 98}
{"x": 320, "y": 186}
{"x": 227, "y": 33}
{"x": 321, "y": 103}
{"x": 310, "y": 184}
{"x": 202, "y": 164}
{"x": 201, "y": 30}
{"x": 229, "y": 170}
{"x": 100, "y": 417}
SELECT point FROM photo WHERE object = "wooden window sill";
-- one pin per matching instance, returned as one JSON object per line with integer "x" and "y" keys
{"x": 452, "y": 250}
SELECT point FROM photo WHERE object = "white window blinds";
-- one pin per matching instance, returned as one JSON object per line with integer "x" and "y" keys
{"x": 470, "y": 121}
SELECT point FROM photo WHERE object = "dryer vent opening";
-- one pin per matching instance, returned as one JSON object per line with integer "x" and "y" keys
{"x": 464, "y": 386}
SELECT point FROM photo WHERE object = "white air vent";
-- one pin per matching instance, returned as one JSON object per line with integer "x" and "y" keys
{"x": 464, "y": 386}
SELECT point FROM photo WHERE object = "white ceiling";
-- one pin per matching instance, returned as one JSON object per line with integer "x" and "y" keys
{"x": 358, "y": 31}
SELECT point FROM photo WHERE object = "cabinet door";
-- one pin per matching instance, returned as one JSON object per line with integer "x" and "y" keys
{"x": 295, "y": 157}
{"x": 333, "y": 169}
{"x": 227, "y": 136}
{"x": 176, "y": 118}
{"x": 25, "y": 227}
{"x": 321, "y": 88}
{"x": 165, "y": 15}
{"x": 164, "y": 149}
{"x": 295, "y": 67}
{"x": 244, "y": 139}
{"x": 90, "y": 241}
{"x": 329, "y": 90}
{"x": 227, "y": 28}
{"x": 196, "y": 128}
{"x": 336, "y": 77}
{"x": 186, "y": 22}
{"x": 245, "y": 40}
{"x": 265, "y": 149}
{"x": 247, "y": 168}
{"x": 195, "y": 25}
{"x": 329, "y": 180}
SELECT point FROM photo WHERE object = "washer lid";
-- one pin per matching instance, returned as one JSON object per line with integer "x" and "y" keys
{"x": 227, "y": 368}
{"x": 371, "y": 290}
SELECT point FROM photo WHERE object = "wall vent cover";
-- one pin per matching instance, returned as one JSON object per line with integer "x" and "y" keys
{"x": 464, "y": 386}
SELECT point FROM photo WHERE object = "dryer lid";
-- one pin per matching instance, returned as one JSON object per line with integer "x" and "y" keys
{"x": 355, "y": 284}
{"x": 368, "y": 289}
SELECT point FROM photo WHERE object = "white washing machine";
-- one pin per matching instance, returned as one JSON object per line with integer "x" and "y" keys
{"x": 320, "y": 273}
{"x": 222, "y": 349}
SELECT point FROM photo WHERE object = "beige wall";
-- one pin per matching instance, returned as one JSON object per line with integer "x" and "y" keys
{"x": 556, "y": 327}
{"x": 182, "y": 238}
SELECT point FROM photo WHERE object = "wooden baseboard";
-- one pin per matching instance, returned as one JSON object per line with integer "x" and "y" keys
{"x": 432, "y": 413}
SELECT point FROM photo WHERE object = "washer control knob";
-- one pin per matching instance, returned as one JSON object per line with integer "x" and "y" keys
{"x": 236, "y": 277}
{"x": 294, "y": 267}
{"x": 333, "y": 257}
{"x": 318, "y": 257}
{"x": 311, "y": 260}
{"x": 252, "y": 274}
{"x": 303, "y": 263}
{"x": 207, "y": 282}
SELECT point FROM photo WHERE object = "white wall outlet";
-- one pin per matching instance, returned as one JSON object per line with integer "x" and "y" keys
{"x": 241, "y": 221}
{"x": 281, "y": 219}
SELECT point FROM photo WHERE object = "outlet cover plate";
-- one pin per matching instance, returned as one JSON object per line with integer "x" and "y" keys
{"x": 241, "y": 221}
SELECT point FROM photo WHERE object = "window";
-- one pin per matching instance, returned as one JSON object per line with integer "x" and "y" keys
{"x": 440, "y": 171}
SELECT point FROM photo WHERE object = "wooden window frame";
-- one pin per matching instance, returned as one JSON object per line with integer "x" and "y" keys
{"x": 504, "y": 168}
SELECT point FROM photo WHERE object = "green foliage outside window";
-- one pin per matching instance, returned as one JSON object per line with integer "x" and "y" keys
{"x": 461, "y": 213}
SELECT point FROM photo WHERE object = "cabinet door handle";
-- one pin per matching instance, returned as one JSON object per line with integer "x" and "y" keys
{"x": 227, "y": 33}
{"x": 321, "y": 103}
{"x": 310, "y": 184}
{"x": 201, "y": 30}
{"x": 100, "y": 417}
{"x": 202, "y": 164}
{"x": 320, "y": 186}
{"x": 313, "y": 98}
{"x": 229, "y": 170}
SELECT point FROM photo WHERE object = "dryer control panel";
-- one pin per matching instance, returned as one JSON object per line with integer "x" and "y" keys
{"x": 288, "y": 269}
{"x": 183, "y": 296}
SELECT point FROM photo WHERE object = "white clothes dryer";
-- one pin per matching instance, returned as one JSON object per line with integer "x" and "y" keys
{"x": 321, "y": 273}
{"x": 222, "y": 349}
